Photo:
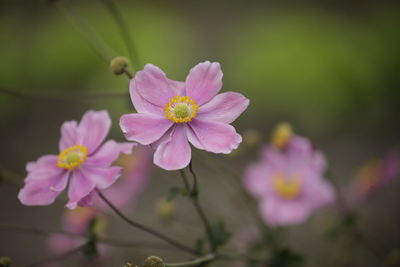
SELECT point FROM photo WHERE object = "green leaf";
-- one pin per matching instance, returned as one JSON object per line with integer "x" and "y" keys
{"x": 220, "y": 235}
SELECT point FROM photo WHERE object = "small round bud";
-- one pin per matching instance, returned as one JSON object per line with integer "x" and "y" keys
{"x": 153, "y": 261}
{"x": 118, "y": 65}
{"x": 5, "y": 262}
{"x": 281, "y": 135}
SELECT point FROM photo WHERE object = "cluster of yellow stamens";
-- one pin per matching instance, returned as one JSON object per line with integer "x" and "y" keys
{"x": 287, "y": 188}
{"x": 72, "y": 157}
{"x": 181, "y": 109}
{"x": 281, "y": 135}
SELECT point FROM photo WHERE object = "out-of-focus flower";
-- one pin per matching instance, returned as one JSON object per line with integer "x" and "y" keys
{"x": 83, "y": 161}
{"x": 372, "y": 176}
{"x": 289, "y": 182}
{"x": 171, "y": 114}
{"x": 77, "y": 222}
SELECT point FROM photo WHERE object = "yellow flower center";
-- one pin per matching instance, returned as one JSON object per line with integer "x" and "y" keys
{"x": 72, "y": 157}
{"x": 287, "y": 188}
{"x": 181, "y": 109}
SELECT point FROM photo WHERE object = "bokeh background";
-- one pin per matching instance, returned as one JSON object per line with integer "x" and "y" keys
{"x": 330, "y": 68}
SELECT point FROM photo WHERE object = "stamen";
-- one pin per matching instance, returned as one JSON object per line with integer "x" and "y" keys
{"x": 181, "y": 109}
{"x": 287, "y": 188}
{"x": 72, "y": 157}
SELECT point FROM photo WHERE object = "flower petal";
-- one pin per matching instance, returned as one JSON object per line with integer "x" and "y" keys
{"x": 276, "y": 212}
{"x": 93, "y": 128}
{"x": 43, "y": 183}
{"x": 144, "y": 128}
{"x": 68, "y": 135}
{"x": 216, "y": 137}
{"x": 319, "y": 192}
{"x": 174, "y": 153}
{"x": 153, "y": 85}
{"x": 80, "y": 186}
{"x": 102, "y": 177}
{"x": 142, "y": 105}
{"x": 46, "y": 164}
{"x": 258, "y": 179}
{"x": 192, "y": 137}
{"x": 204, "y": 81}
{"x": 225, "y": 107}
{"x": 108, "y": 153}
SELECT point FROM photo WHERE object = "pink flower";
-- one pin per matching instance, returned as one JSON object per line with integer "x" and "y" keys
{"x": 83, "y": 161}
{"x": 77, "y": 222}
{"x": 171, "y": 114}
{"x": 289, "y": 182}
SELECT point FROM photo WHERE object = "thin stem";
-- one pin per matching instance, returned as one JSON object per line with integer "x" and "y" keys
{"x": 126, "y": 36}
{"x": 106, "y": 240}
{"x": 200, "y": 211}
{"x": 206, "y": 258}
{"x": 93, "y": 39}
{"x": 145, "y": 228}
{"x": 195, "y": 184}
{"x": 62, "y": 96}
{"x": 58, "y": 257}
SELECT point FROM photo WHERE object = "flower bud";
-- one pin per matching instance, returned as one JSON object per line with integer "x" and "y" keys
{"x": 118, "y": 65}
{"x": 281, "y": 135}
{"x": 153, "y": 261}
{"x": 5, "y": 262}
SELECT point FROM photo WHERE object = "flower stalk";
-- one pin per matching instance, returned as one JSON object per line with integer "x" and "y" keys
{"x": 198, "y": 208}
{"x": 145, "y": 228}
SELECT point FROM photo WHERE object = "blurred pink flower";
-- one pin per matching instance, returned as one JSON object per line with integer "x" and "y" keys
{"x": 77, "y": 222}
{"x": 171, "y": 114}
{"x": 373, "y": 176}
{"x": 288, "y": 182}
{"x": 83, "y": 160}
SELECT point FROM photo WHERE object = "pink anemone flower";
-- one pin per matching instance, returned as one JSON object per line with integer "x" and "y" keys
{"x": 289, "y": 182}
{"x": 83, "y": 162}
{"x": 171, "y": 114}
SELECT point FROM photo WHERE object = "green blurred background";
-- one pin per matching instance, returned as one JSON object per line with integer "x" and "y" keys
{"x": 331, "y": 68}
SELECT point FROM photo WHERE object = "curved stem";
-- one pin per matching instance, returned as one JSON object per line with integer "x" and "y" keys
{"x": 200, "y": 211}
{"x": 206, "y": 258}
{"x": 126, "y": 36}
{"x": 145, "y": 228}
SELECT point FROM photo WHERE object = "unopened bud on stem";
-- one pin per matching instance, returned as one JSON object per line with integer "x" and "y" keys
{"x": 153, "y": 261}
{"x": 118, "y": 65}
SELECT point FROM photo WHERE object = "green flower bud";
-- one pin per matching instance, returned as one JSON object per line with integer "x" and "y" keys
{"x": 153, "y": 261}
{"x": 118, "y": 65}
{"x": 5, "y": 262}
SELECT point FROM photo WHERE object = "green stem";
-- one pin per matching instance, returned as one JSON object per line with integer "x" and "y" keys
{"x": 126, "y": 36}
{"x": 144, "y": 227}
{"x": 206, "y": 258}
{"x": 200, "y": 211}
